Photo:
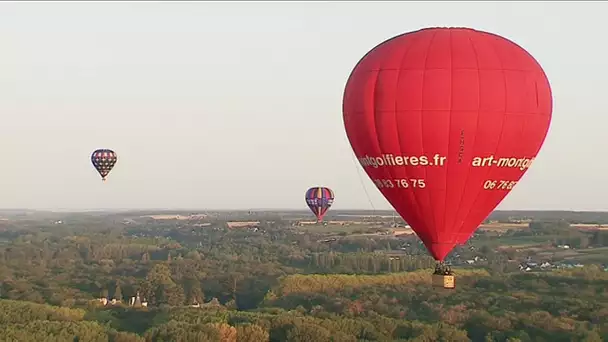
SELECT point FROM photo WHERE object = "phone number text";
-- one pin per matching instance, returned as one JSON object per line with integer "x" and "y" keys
{"x": 400, "y": 183}
{"x": 498, "y": 184}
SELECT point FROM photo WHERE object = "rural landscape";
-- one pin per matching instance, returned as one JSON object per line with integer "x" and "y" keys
{"x": 281, "y": 276}
{"x": 434, "y": 113}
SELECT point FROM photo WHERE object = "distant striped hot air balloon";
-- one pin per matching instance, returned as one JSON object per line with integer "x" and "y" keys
{"x": 104, "y": 160}
{"x": 319, "y": 199}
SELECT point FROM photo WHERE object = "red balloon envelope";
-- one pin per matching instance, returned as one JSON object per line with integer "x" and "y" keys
{"x": 445, "y": 121}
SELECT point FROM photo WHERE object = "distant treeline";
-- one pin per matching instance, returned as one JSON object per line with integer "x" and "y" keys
{"x": 583, "y": 217}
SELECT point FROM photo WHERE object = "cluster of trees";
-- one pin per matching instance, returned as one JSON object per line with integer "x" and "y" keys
{"x": 397, "y": 307}
{"x": 368, "y": 263}
{"x": 276, "y": 283}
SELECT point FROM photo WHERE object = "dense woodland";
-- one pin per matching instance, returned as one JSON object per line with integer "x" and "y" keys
{"x": 278, "y": 282}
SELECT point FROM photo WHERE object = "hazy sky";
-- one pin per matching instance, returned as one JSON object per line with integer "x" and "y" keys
{"x": 238, "y": 105}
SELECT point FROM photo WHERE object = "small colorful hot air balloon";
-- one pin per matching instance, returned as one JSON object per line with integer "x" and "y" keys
{"x": 103, "y": 160}
{"x": 445, "y": 121}
{"x": 319, "y": 199}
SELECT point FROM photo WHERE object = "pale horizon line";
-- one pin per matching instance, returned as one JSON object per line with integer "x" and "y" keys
{"x": 202, "y": 210}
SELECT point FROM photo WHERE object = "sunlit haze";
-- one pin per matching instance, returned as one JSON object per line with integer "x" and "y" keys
{"x": 238, "y": 105}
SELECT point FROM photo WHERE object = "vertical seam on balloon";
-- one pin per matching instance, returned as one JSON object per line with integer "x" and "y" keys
{"x": 399, "y": 69}
{"x": 374, "y": 88}
{"x": 357, "y": 164}
{"x": 352, "y": 143}
{"x": 434, "y": 231}
{"x": 322, "y": 206}
{"x": 502, "y": 126}
{"x": 476, "y": 131}
{"x": 447, "y": 167}
{"x": 536, "y": 91}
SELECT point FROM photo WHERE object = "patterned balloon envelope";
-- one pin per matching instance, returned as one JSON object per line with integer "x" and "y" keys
{"x": 319, "y": 199}
{"x": 104, "y": 160}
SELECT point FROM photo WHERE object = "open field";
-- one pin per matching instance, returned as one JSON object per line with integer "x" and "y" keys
{"x": 402, "y": 231}
{"x": 589, "y": 226}
{"x": 334, "y": 228}
{"x": 176, "y": 217}
{"x": 599, "y": 255}
{"x": 502, "y": 227}
{"x": 518, "y": 241}
{"x": 354, "y": 229}
{"x": 589, "y": 255}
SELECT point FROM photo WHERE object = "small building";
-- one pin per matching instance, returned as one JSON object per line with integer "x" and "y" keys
{"x": 136, "y": 301}
{"x": 525, "y": 268}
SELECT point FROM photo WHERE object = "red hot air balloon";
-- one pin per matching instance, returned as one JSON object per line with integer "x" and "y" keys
{"x": 445, "y": 121}
{"x": 319, "y": 199}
